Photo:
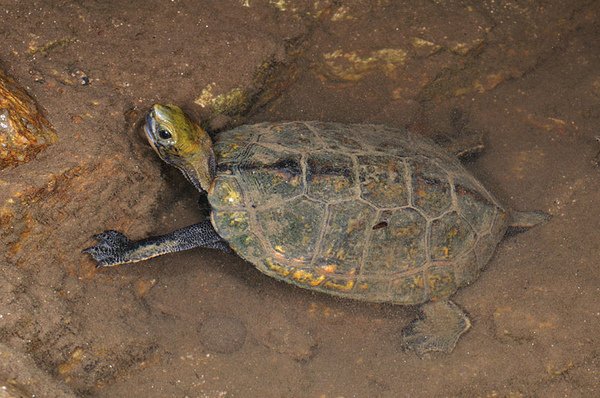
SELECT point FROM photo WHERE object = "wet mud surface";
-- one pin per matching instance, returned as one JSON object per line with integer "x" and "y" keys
{"x": 205, "y": 324}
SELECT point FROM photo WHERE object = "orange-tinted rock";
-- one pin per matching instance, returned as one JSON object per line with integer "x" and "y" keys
{"x": 24, "y": 131}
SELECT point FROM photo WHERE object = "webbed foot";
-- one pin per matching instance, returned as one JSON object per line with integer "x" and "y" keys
{"x": 111, "y": 249}
{"x": 438, "y": 329}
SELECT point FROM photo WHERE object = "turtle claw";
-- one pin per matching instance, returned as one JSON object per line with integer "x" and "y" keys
{"x": 111, "y": 249}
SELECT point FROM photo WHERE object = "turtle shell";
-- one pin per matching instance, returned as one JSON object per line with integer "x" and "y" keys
{"x": 360, "y": 211}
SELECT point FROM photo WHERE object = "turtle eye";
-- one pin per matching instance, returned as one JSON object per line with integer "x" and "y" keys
{"x": 164, "y": 134}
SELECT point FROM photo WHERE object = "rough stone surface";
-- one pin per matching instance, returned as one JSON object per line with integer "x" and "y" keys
{"x": 24, "y": 131}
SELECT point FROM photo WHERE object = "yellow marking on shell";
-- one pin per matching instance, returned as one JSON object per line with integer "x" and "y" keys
{"x": 354, "y": 225}
{"x": 239, "y": 217}
{"x": 226, "y": 151}
{"x": 328, "y": 269}
{"x": 435, "y": 280}
{"x": 340, "y": 184}
{"x": 307, "y": 278}
{"x": 411, "y": 230}
{"x": 279, "y": 248}
{"x": 340, "y": 286}
{"x": 290, "y": 262}
{"x": 446, "y": 251}
{"x": 238, "y": 220}
{"x": 232, "y": 197}
{"x": 418, "y": 281}
{"x": 278, "y": 269}
{"x": 363, "y": 286}
{"x": 327, "y": 252}
{"x": 247, "y": 240}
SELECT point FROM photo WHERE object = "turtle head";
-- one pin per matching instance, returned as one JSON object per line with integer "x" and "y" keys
{"x": 182, "y": 143}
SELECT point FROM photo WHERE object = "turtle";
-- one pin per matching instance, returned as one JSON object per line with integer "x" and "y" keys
{"x": 358, "y": 211}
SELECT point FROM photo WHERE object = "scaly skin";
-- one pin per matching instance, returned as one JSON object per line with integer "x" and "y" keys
{"x": 114, "y": 248}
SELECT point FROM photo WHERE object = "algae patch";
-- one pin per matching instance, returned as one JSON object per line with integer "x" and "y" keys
{"x": 232, "y": 102}
{"x": 350, "y": 66}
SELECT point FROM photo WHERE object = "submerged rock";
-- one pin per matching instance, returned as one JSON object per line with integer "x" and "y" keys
{"x": 24, "y": 131}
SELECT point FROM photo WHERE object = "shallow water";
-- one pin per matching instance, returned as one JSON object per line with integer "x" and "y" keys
{"x": 207, "y": 324}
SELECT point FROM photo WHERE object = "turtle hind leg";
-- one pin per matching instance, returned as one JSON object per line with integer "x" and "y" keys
{"x": 523, "y": 220}
{"x": 437, "y": 329}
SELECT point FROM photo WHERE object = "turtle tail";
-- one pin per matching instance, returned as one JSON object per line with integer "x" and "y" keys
{"x": 523, "y": 220}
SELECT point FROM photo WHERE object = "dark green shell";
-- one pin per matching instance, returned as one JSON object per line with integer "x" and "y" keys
{"x": 359, "y": 211}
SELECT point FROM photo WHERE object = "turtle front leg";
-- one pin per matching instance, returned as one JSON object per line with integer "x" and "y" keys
{"x": 114, "y": 248}
{"x": 438, "y": 329}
